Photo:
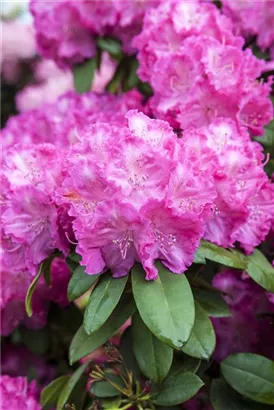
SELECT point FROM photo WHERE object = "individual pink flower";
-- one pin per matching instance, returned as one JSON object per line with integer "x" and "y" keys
{"x": 17, "y": 394}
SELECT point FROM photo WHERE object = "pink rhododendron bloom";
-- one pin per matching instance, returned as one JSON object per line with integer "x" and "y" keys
{"x": 17, "y": 394}
{"x": 58, "y": 122}
{"x": 60, "y": 32}
{"x": 242, "y": 332}
{"x": 252, "y": 18}
{"x": 198, "y": 69}
{"x": 66, "y": 30}
{"x": 29, "y": 215}
{"x": 242, "y": 210}
{"x": 126, "y": 173}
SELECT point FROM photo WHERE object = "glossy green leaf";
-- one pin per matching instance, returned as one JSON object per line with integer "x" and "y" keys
{"x": 178, "y": 389}
{"x": 70, "y": 385}
{"x": 111, "y": 46}
{"x": 51, "y": 392}
{"x": 202, "y": 339}
{"x": 75, "y": 257}
{"x": 78, "y": 396}
{"x": 102, "y": 301}
{"x": 223, "y": 397}
{"x": 83, "y": 75}
{"x": 227, "y": 257}
{"x": 80, "y": 283}
{"x": 111, "y": 404}
{"x": 251, "y": 375}
{"x": 104, "y": 389}
{"x": 267, "y": 140}
{"x": 261, "y": 271}
{"x": 83, "y": 344}
{"x": 31, "y": 289}
{"x": 182, "y": 364}
{"x": 153, "y": 356}
{"x": 212, "y": 302}
{"x": 166, "y": 305}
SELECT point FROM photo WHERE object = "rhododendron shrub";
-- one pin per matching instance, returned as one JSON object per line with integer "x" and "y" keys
{"x": 137, "y": 209}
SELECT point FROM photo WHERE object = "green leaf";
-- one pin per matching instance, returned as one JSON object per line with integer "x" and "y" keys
{"x": 31, "y": 289}
{"x": 70, "y": 385}
{"x": 202, "y": 339}
{"x": 251, "y": 375}
{"x": 83, "y": 344}
{"x": 102, "y": 301}
{"x": 83, "y": 75}
{"x": 227, "y": 257}
{"x": 51, "y": 392}
{"x": 79, "y": 393}
{"x": 111, "y": 46}
{"x": 75, "y": 257}
{"x": 223, "y": 397}
{"x": 47, "y": 268}
{"x": 178, "y": 389}
{"x": 198, "y": 258}
{"x": 153, "y": 356}
{"x": 114, "y": 84}
{"x": 182, "y": 364}
{"x": 261, "y": 271}
{"x": 111, "y": 404}
{"x": 166, "y": 305}
{"x": 212, "y": 302}
{"x": 103, "y": 390}
{"x": 267, "y": 140}
{"x": 126, "y": 350}
{"x": 80, "y": 283}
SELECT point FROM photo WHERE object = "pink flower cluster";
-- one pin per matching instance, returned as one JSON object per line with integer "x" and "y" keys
{"x": 138, "y": 175}
{"x": 253, "y": 18}
{"x": 17, "y": 394}
{"x": 58, "y": 122}
{"x": 243, "y": 209}
{"x": 198, "y": 69}
{"x": 33, "y": 223}
{"x": 163, "y": 194}
{"x": 249, "y": 329}
{"x": 67, "y": 29}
